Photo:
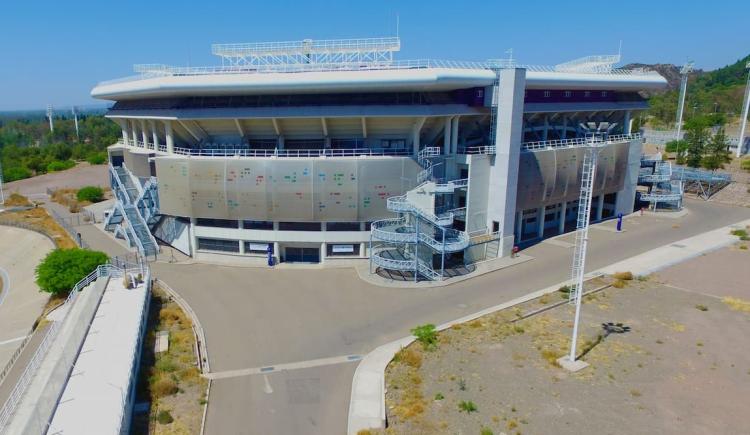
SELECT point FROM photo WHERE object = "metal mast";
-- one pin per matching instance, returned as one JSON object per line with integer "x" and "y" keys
{"x": 746, "y": 104}
{"x": 49, "y": 116}
{"x": 2, "y": 195}
{"x": 75, "y": 119}
{"x": 686, "y": 69}
{"x": 582, "y": 237}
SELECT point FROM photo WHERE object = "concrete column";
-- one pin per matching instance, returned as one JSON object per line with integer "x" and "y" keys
{"x": 545, "y": 132}
{"x": 323, "y": 252}
{"x": 563, "y": 211}
{"x": 134, "y": 133}
{"x": 565, "y": 127}
{"x": 125, "y": 138}
{"x": 454, "y": 135}
{"x": 503, "y": 183}
{"x": 193, "y": 238}
{"x": 519, "y": 227}
{"x": 144, "y": 133}
{"x": 280, "y": 142}
{"x": 363, "y": 246}
{"x": 627, "y": 123}
{"x": 327, "y": 143}
{"x": 415, "y": 133}
{"x": 169, "y": 136}
{"x": 599, "y": 207}
{"x": 154, "y": 135}
{"x": 447, "y": 135}
{"x": 242, "y": 247}
{"x": 540, "y": 214}
{"x": 276, "y": 246}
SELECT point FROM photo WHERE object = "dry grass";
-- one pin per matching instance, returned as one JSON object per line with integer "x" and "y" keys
{"x": 737, "y": 304}
{"x": 624, "y": 276}
{"x": 618, "y": 283}
{"x": 17, "y": 200}
{"x": 38, "y": 219}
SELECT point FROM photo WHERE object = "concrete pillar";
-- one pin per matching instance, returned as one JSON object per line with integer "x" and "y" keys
{"x": 454, "y": 135}
{"x": 125, "y": 138}
{"x": 599, "y": 207}
{"x": 134, "y": 133}
{"x": 545, "y": 132}
{"x": 519, "y": 227}
{"x": 144, "y": 133}
{"x": 327, "y": 143}
{"x": 540, "y": 214}
{"x": 323, "y": 252}
{"x": 242, "y": 247}
{"x": 627, "y": 123}
{"x": 563, "y": 211}
{"x": 415, "y": 133}
{"x": 193, "y": 238}
{"x": 280, "y": 142}
{"x": 154, "y": 135}
{"x": 565, "y": 127}
{"x": 169, "y": 136}
{"x": 503, "y": 183}
{"x": 363, "y": 246}
{"x": 447, "y": 135}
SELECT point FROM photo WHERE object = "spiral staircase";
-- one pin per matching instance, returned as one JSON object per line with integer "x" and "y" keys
{"x": 411, "y": 241}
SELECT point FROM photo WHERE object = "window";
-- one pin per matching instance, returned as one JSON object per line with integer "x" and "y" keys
{"x": 299, "y": 226}
{"x": 547, "y": 94}
{"x": 257, "y": 225}
{"x": 393, "y": 143}
{"x": 604, "y": 93}
{"x": 342, "y": 226}
{"x": 218, "y": 245}
{"x": 342, "y": 250}
{"x": 568, "y": 94}
{"x": 586, "y": 94}
{"x": 217, "y": 223}
{"x": 337, "y": 143}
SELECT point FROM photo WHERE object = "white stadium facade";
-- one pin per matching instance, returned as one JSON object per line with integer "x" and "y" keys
{"x": 327, "y": 151}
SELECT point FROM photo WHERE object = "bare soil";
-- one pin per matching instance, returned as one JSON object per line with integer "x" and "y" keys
{"x": 83, "y": 174}
{"x": 682, "y": 366}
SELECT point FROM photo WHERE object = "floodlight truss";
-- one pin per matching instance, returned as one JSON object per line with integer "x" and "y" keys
{"x": 308, "y": 51}
{"x": 590, "y": 64}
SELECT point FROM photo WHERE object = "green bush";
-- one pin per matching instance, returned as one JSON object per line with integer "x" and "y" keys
{"x": 98, "y": 158}
{"x": 745, "y": 164}
{"x": 467, "y": 406}
{"x": 15, "y": 173}
{"x": 674, "y": 146}
{"x": 90, "y": 193}
{"x": 742, "y": 234}
{"x": 60, "y": 165}
{"x": 164, "y": 417}
{"x": 61, "y": 269}
{"x": 427, "y": 335}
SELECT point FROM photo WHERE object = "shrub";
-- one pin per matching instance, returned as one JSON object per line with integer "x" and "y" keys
{"x": 427, "y": 335}
{"x": 164, "y": 417}
{"x": 467, "y": 406}
{"x": 439, "y": 396}
{"x": 165, "y": 364}
{"x": 60, "y": 165}
{"x": 486, "y": 431}
{"x": 618, "y": 283}
{"x": 625, "y": 276}
{"x": 742, "y": 234}
{"x": 411, "y": 357}
{"x": 163, "y": 387}
{"x": 98, "y": 158}
{"x": 701, "y": 307}
{"x": 90, "y": 193}
{"x": 15, "y": 173}
{"x": 61, "y": 269}
{"x": 745, "y": 164}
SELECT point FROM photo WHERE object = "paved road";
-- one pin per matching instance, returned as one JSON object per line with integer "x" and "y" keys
{"x": 21, "y": 302}
{"x": 257, "y": 317}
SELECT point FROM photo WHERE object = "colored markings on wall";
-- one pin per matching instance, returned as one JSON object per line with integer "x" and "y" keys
{"x": 259, "y": 180}
{"x": 322, "y": 176}
{"x": 366, "y": 202}
{"x": 231, "y": 176}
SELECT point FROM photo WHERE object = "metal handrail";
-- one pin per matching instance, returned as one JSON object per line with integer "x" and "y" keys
{"x": 578, "y": 142}
{"x": 480, "y": 149}
{"x": 176, "y": 71}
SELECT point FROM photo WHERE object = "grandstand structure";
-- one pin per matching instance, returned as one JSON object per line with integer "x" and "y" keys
{"x": 327, "y": 151}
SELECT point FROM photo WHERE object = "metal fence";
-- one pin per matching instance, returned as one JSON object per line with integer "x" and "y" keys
{"x": 68, "y": 223}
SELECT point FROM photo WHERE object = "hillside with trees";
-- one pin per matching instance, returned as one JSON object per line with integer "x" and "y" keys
{"x": 28, "y": 148}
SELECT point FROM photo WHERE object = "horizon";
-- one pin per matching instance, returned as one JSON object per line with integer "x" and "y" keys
{"x": 96, "y": 50}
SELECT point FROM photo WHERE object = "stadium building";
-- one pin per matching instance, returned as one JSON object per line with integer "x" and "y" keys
{"x": 326, "y": 151}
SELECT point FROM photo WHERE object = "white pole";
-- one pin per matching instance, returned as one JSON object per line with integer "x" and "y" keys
{"x": 741, "y": 140}
{"x": 2, "y": 195}
{"x": 686, "y": 69}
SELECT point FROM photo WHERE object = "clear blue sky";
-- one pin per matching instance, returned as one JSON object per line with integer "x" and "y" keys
{"x": 54, "y": 52}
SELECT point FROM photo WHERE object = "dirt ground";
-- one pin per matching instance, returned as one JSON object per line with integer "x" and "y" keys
{"x": 81, "y": 175}
{"x": 682, "y": 367}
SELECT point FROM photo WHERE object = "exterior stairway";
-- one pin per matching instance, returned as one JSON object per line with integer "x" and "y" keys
{"x": 657, "y": 176}
{"x": 136, "y": 207}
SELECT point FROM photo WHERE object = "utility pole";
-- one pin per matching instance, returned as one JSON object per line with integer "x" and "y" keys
{"x": 50, "y": 113}
{"x": 745, "y": 105}
{"x": 2, "y": 195}
{"x": 686, "y": 69}
{"x": 75, "y": 119}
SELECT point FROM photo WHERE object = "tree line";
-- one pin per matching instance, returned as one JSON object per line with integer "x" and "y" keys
{"x": 29, "y": 148}
{"x": 705, "y": 144}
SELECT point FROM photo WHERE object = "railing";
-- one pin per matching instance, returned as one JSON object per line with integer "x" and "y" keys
{"x": 167, "y": 71}
{"x": 482, "y": 149}
{"x": 67, "y": 225}
{"x": 385, "y": 230}
{"x": 578, "y": 142}
{"x": 651, "y": 158}
{"x": 401, "y": 205}
{"x": 660, "y": 197}
{"x": 389, "y": 263}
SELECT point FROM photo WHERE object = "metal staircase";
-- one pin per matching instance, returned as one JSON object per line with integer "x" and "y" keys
{"x": 136, "y": 207}
{"x": 657, "y": 175}
{"x": 582, "y": 223}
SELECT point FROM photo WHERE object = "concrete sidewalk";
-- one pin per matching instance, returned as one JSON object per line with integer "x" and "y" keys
{"x": 367, "y": 403}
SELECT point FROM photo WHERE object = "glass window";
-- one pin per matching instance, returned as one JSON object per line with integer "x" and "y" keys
{"x": 568, "y": 94}
{"x": 299, "y": 226}
{"x": 218, "y": 245}
{"x": 217, "y": 223}
{"x": 547, "y": 94}
{"x": 257, "y": 225}
{"x": 342, "y": 226}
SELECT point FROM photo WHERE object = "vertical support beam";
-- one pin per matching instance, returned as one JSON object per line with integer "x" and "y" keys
{"x": 545, "y": 132}
{"x": 170, "y": 136}
{"x": 416, "y": 249}
{"x": 627, "y": 123}
{"x": 519, "y": 226}
{"x": 362, "y": 253}
{"x": 745, "y": 108}
{"x": 154, "y": 134}
{"x": 563, "y": 211}
{"x": 447, "y": 135}
{"x": 364, "y": 127}
{"x": 541, "y": 212}
{"x": 504, "y": 172}
{"x": 415, "y": 133}
{"x": 599, "y": 207}
{"x": 144, "y": 133}
{"x": 454, "y": 135}
{"x": 276, "y": 246}
{"x": 124, "y": 126}
{"x": 134, "y": 132}
{"x": 193, "y": 238}
{"x": 565, "y": 128}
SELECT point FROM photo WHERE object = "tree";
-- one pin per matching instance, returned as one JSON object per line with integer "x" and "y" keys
{"x": 696, "y": 135}
{"x": 717, "y": 153}
{"x": 61, "y": 269}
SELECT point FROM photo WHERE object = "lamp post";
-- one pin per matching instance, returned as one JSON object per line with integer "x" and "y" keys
{"x": 686, "y": 69}
{"x": 741, "y": 140}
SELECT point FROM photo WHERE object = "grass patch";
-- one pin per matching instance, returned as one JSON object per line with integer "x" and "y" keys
{"x": 551, "y": 356}
{"x": 427, "y": 335}
{"x": 439, "y": 396}
{"x": 17, "y": 200}
{"x": 467, "y": 406}
{"x": 737, "y": 304}
{"x": 164, "y": 417}
{"x": 741, "y": 233}
{"x": 635, "y": 393}
{"x": 618, "y": 283}
{"x": 486, "y": 431}
{"x": 624, "y": 276}
{"x": 701, "y": 307}
{"x": 38, "y": 219}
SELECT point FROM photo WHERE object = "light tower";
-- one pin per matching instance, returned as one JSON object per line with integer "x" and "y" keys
{"x": 2, "y": 195}
{"x": 74, "y": 109}
{"x": 50, "y": 113}
{"x": 745, "y": 105}
{"x": 686, "y": 69}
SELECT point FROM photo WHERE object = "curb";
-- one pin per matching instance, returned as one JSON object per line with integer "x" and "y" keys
{"x": 367, "y": 403}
